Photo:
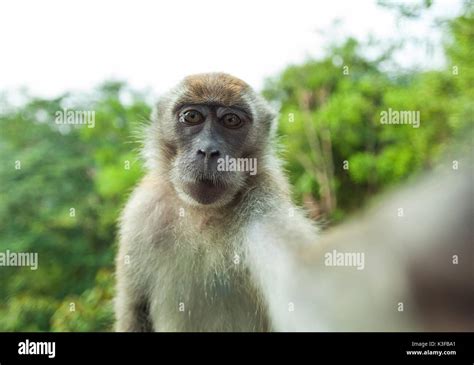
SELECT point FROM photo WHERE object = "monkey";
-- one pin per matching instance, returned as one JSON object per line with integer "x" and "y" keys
{"x": 203, "y": 248}
{"x": 186, "y": 259}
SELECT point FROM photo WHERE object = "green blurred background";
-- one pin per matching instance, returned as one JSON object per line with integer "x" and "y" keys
{"x": 330, "y": 120}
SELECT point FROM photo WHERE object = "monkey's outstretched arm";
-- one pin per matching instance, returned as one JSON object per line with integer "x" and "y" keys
{"x": 409, "y": 268}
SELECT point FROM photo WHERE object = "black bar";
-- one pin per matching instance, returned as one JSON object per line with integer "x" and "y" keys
{"x": 138, "y": 348}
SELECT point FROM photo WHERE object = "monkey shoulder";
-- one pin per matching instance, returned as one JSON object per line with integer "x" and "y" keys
{"x": 282, "y": 223}
{"x": 146, "y": 218}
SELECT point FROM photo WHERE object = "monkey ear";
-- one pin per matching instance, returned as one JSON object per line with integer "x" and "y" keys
{"x": 160, "y": 108}
{"x": 153, "y": 133}
{"x": 270, "y": 119}
{"x": 273, "y": 118}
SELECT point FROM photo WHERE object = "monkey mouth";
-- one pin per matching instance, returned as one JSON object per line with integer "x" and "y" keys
{"x": 209, "y": 181}
{"x": 205, "y": 191}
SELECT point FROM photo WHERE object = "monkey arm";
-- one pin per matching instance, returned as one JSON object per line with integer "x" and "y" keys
{"x": 141, "y": 228}
{"x": 409, "y": 279}
{"x": 131, "y": 307}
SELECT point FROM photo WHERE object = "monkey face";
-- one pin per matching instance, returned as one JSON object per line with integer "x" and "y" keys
{"x": 208, "y": 136}
{"x": 214, "y": 129}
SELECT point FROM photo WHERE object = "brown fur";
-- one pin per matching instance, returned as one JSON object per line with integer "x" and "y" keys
{"x": 217, "y": 87}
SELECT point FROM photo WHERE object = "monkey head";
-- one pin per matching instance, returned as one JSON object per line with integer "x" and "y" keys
{"x": 203, "y": 131}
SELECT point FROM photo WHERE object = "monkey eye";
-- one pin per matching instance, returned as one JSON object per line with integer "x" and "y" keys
{"x": 192, "y": 117}
{"x": 232, "y": 120}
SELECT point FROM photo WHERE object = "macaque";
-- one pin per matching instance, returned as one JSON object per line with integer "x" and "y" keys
{"x": 212, "y": 246}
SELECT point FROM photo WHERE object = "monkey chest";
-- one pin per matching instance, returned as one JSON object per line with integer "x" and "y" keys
{"x": 192, "y": 291}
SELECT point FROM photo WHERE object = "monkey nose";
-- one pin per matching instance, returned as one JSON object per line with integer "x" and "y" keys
{"x": 208, "y": 153}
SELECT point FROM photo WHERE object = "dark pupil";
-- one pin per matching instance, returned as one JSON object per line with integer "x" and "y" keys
{"x": 192, "y": 116}
{"x": 231, "y": 119}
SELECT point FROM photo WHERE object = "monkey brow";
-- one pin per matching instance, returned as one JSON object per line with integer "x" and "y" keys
{"x": 239, "y": 106}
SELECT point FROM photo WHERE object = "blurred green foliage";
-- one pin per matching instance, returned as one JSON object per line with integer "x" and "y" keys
{"x": 64, "y": 167}
{"x": 65, "y": 199}
{"x": 337, "y": 150}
